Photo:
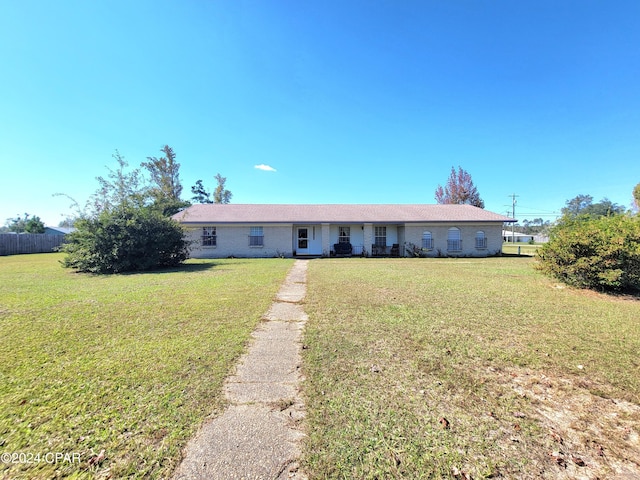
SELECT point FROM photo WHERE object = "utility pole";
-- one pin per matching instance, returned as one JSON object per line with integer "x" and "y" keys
{"x": 513, "y": 215}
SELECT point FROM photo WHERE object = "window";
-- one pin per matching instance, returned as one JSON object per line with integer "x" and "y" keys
{"x": 344, "y": 234}
{"x": 256, "y": 237}
{"x": 303, "y": 238}
{"x": 209, "y": 238}
{"x": 454, "y": 242}
{"x": 481, "y": 240}
{"x": 380, "y": 236}
{"x": 427, "y": 241}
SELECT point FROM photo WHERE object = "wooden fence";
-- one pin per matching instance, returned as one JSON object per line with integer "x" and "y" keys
{"x": 15, "y": 244}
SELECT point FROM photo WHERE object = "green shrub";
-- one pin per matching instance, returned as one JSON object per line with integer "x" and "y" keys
{"x": 125, "y": 239}
{"x": 598, "y": 253}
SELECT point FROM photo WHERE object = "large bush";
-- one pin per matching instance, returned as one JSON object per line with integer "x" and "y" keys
{"x": 598, "y": 253}
{"x": 125, "y": 239}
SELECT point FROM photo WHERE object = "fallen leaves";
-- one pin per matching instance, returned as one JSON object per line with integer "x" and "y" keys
{"x": 97, "y": 459}
{"x": 444, "y": 423}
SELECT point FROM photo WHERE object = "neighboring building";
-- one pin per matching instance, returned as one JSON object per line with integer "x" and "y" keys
{"x": 516, "y": 237}
{"x": 58, "y": 230}
{"x": 262, "y": 230}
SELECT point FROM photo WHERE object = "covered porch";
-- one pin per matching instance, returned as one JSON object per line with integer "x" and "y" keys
{"x": 366, "y": 240}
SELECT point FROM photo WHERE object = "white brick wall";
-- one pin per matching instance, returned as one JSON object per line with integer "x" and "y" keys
{"x": 233, "y": 241}
{"x": 439, "y": 233}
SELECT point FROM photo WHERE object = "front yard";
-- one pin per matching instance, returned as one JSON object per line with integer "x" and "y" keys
{"x": 126, "y": 365}
{"x": 415, "y": 368}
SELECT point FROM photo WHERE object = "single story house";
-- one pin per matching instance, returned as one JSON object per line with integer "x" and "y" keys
{"x": 517, "y": 237}
{"x": 264, "y": 230}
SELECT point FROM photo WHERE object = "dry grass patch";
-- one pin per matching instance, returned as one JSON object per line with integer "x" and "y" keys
{"x": 458, "y": 368}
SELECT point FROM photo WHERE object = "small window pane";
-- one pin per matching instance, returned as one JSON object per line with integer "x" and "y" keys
{"x": 427, "y": 241}
{"x": 256, "y": 237}
{"x": 454, "y": 242}
{"x": 209, "y": 238}
{"x": 344, "y": 234}
{"x": 380, "y": 234}
{"x": 481, "y": 240}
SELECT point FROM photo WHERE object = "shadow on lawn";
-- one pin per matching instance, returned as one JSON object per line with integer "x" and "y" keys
{"x": 184, "y": 268}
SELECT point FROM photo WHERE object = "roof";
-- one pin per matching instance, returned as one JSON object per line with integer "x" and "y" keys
{"x": 60, "y": 230}
{"x": 508, "y": 233}
{"x": 334, "y": 213}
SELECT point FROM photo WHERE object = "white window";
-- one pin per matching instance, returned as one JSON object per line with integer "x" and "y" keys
{"x": 454, "y": 242}
{"x": 256, "y": 237}
{"x": 344, "y": 234}
{"x": 209, "y": 238}
{"x": 481, "y": 240}
{"x": 427, "y": 241}
{"x": 380, "y": 236}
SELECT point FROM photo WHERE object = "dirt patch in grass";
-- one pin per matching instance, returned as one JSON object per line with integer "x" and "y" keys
{"x": 584, "y": 432}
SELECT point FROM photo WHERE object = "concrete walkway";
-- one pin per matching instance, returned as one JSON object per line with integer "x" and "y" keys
{"x": 258, "y": 435}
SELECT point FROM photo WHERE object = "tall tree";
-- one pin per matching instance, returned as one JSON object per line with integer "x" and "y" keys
{"x": 200, "y": 194}
{"x": 165, "y": 179}
{"x": 577, "y": 205}
{"x": 165, "y": 174}
{"x": 118, "y": 188}
{"x": 636, "y": 196}
{"x": 583, "y": 205}
{"x": 459, "y": 190}
{"x": 221, "y": 194}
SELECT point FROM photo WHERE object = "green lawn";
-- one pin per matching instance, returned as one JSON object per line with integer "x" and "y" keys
{"x": 531, "y": 378}
{"x": 520, "y": 248}
{"x": 128, "y": 364}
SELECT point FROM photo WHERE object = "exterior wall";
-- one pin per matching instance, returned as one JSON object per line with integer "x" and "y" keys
{"x": 279, "y": 240}
{"x": 326, "y": 243}
{"x": 233, "y": 241}
{"x": 440, "y": 231}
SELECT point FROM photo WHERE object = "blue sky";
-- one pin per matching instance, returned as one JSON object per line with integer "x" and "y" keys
{"x": 349, "y": 101}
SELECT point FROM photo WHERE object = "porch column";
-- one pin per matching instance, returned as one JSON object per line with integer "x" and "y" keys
{"x": 326, "y": 244}
{"x": 368, "y": 238}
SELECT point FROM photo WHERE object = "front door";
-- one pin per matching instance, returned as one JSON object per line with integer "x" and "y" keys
{"x": 303, "y": 240}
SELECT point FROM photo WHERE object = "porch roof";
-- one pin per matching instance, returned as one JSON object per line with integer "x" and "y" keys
{"x": 335, "y": 213}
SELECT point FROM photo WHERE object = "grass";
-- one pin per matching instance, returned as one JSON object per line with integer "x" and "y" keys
{"x": 531, "y": 378}
{"x": 126, "y": 364}
{"x": 414, "y": 368}
{"x": 520, "y": 248}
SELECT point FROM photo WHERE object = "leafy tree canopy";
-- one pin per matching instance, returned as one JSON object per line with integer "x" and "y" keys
{"x": 459, "y": 189}
{"x": 125, "y": 238}
{"x": 165, "y": 174}
{"x": 118, "y": 188}
{"x": 601, "y": 253}
{"x": 166, "y": 187}
{"x": 25, "y": 224}
{"x": 221, "y": 194}
{"x": 636, "y": 196}
{"x": 583, "y": 205}
{"x": 128, "y": 229}
{"x": 200, "y": 194}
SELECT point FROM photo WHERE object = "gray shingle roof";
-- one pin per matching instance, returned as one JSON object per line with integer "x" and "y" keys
{"x": 335, "y": 213}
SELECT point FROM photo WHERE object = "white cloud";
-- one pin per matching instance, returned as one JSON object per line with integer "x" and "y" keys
{"x": 266, "y": 168}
